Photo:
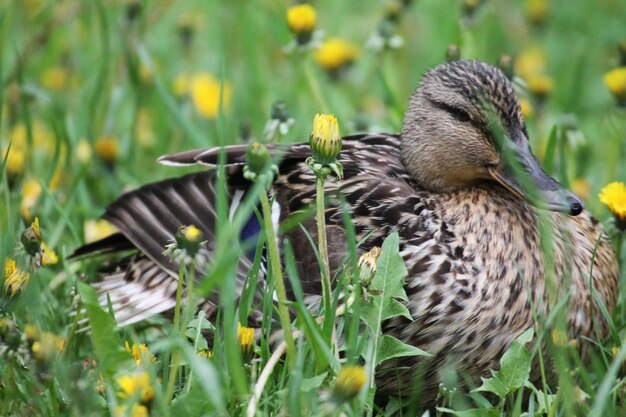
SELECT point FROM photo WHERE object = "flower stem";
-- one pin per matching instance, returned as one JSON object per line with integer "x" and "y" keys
{"x": 277, "y": 274}
{"x": 323, "y": 250}
{"x": 314, "y": 86}
{"x": 176, "y": 329}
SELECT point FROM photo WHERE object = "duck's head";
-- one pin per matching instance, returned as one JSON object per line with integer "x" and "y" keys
{"x": 464, "y": 126}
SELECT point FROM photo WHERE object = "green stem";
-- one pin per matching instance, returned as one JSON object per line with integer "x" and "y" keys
{"x": 277, "y": 274}
{"x": 314, "y": 86}
{"x": 176, "y": 328}
{"x": 323, "y": 250}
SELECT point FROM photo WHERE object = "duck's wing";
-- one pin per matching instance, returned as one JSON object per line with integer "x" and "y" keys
{"x": 148, "y": 218}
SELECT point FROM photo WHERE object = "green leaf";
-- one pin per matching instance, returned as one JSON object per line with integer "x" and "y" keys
{"x": 314, "y": 382}
{"x": 202, "y": 322}
{"x": 104, "y": 332}
{"x": 389, "y": 281}
{"x": 390, "y": 347}
{"x": 493, "y": 385}
{"x": 474, "y": 412}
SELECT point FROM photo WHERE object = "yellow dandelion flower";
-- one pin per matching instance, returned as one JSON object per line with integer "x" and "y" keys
{"x": 325, "y": 140}
{"x": 559, "y": 338}
{"x": 15, "y": 161}
{"x": 136, "y": 385}
{"x": 301, "y": 21}
{"x": 205, "y": 354}
{"x": 335, "y": 54}
{"x": 140, "y": 353}
{"x": 98, "y": 229}
{"x": 83, "y": 151}
{"x": 349, "y": 382}
{"x": 614, "y": 197}
{"x": 531, "y": 61}
{"x": 614, "y": 351}
{"x": 31, "y": 332}
{"x": 540, "y": 85}
{"x": 55, "y": 78}
{"x": 192, "y": 233}
{"x": 107, "y": 149}
{"x": 43, "y": 139}
{"x": 136, "y": 410}
{"x": 49, "y": 256}
{"x": 615, "y": 81}
{"x": 14, "y": 279}
{"x": 245, "y": 337}
{"x": 528, "y": 110}
{"x": 537, "y": 10}
{"x": 208, "y": 94}
{"x": 31, "y": 191}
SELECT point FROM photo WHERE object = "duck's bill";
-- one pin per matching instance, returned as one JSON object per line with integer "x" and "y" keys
{"x": 522, "y": 174}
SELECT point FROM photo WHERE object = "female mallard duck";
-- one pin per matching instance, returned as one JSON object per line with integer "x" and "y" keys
{"x": 468, "y": 226}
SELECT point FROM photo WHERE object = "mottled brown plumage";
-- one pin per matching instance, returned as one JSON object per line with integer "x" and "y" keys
{"x": 468, "y": 226}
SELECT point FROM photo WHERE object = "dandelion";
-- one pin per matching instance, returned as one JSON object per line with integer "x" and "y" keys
{"x": 47, "y": 346}
{"x": 530, "y": 62}
{"x": 31, "y": 333}
{"x": 614, "y": 351}
{"x": 540, "y": 85}
{"x": 140, "y": 353}
{"x": 83, "y": 151}
{"x": 31, "y": 238}
{"x": 527, "y": 108}
{"x": 367, "y": 263}
{"x": 14, "y": 279}
{"x": 54, "y": 79}
{"x": 136, "y": 410}
{"x": 208, "y": 94}
{"x": 137, "y": 385}
{"x": 31, "y": 191}
{"x": 349, "y": 382}
{"x": 185, "y": 247}
{"x": 336, "y": 55}
{"x": 107, "y": 149}
{"x": 614, "y": 197}
{"x": 16, "y": 159}
{"x": 245, "y": 337}
{"x": 615, "y": 81}
{"x": 301, "y": 21}
{"x": 537, "y": 11}
{"x": 559, "y": 338}
{"x": 48, "y": 256}
{"x": 98, "y": 229}
{"x": 259, "y": 164}
{"x": 326, "y": 143}
{"x": 205, "y": 353}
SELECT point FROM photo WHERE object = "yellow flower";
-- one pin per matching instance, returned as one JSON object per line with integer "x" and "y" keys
{"x": 107, "y": 149}
{"x": 367, "y": 262}
{"x": 245, "y": 337}
{"x": 98, "y": 229}
{"x": 325, "y": 140}
{"x": 527, "y": 108}
{"x": 537, "y": 10}
{"x": 136, "y": 410}
{"x": 207, "y": 93}
{"x": 137, "y": 384}
{"x": 559, "y": 338}
{"x": 31, "y": 332}
{"x": 614, "y": 350}
{"x": 49, "y": 257}
{"x": 14, "y": 279}
{"x": 31, "y": 190}
{"x": 205, "y": 354}
{"x": 349, "y": 382}
{"x": 15, "y": 160}
{"x": 540, "y": 85}
{"x": 83, "y": 151}
{"x": 47, "y": 346}
{"x": 145, "y": 134}
{"x": 614, "y": 196}
{"x": 531, "y": 61}
{"x": 301, "y": 20}
{"x": 615, "y": 80}
{"x": 54, "y": 79}
{"x": 140, "y": 353}
{"x": 335, "y": 54}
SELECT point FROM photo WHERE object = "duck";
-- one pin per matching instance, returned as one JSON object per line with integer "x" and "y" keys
{"x": 461, "y": 188}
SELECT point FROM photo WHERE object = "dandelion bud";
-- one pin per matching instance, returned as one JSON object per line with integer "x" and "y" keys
{"x": 367, "y": 263}
{"x": 189, "y": 238}
{"x": 279, "y": 111}
{"x": 614, "y": 196}
{"x": 107, "y": 150}
{"x": 31, "y": 238}
{"x": 453, "y": 53}
{"x": 615, "y": 81}
{"x": 325, "y": 139}
{"x": 349, "y": 382}
{"x": 540, "y": 86}
{"x": 258, "y": 159}
{"x": 301, "y": 21}
{"x": 537, "y": 11}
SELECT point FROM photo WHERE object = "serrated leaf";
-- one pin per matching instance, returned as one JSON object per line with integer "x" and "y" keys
{"x": 493, "y": 385}
{"x": 389, "y": 280}
{"x": 202, "y": 322}
{"x": 390, "y": 347}
{"x": 314, "y": 382}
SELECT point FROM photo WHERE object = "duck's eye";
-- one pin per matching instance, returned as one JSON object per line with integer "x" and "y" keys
{"x": 460, "y": 114}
